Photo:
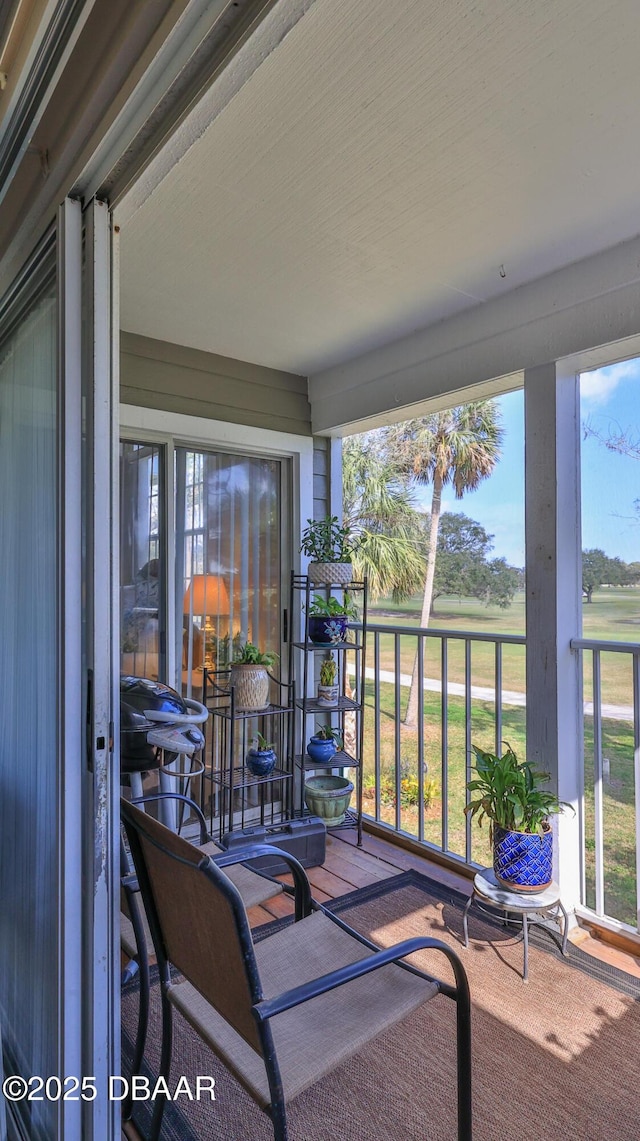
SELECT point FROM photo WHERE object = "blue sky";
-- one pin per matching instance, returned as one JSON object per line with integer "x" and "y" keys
{"x": 610, "y": 401}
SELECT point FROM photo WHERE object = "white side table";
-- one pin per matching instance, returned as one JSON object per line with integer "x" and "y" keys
{"x": 489, "y": 893}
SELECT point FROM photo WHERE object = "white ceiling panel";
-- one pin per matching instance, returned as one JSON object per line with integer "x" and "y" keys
{"x": 379, "y": 169}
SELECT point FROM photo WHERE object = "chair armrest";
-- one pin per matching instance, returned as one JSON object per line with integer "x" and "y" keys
{"x": 302, "y": 889}
{"x": 297, "y": 995}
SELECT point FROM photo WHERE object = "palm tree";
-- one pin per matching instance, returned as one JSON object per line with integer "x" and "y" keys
{"x": 459, "y": 446}
{"x": 379, "y": 506}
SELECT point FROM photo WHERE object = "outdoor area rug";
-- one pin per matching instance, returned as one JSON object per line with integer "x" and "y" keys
{"x": 556, "y": 1057}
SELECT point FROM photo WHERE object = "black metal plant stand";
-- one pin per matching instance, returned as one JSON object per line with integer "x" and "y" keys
{"x": 237, "y": 798}
{"x": 348, "y": 715}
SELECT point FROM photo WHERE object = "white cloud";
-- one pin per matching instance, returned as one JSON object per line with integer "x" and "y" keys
{"x": 598, "y": 386}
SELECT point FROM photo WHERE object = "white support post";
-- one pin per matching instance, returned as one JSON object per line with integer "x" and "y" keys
{"x": 554, "y": 603}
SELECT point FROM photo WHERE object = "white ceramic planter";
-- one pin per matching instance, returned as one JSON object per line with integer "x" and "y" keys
{"x": 327, "y": 696}
{"x": 330, "y": 574}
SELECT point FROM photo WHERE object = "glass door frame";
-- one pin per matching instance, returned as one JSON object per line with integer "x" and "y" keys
{"x": 172, "y": 430}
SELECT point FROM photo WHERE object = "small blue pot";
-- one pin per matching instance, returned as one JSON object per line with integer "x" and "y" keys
{"x": 261, "y": 762}
{"x": 326, "y": 631}
{"x": 523, "y": 861}
{"x": 320, "y": 750}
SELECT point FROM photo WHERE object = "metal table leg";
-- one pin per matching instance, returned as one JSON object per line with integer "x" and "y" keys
{"x": 525, "y": 933}
{"x": 465, "y": 922}
{"x": 565, "y": 926}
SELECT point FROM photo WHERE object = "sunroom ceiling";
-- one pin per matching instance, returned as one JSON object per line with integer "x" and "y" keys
{"x": 387, "y": 166}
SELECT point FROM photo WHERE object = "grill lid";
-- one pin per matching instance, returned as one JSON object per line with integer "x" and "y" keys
{"x": 138, "y": 694}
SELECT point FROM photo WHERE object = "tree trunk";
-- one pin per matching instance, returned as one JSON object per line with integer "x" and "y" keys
{"x": 411, "y": 718}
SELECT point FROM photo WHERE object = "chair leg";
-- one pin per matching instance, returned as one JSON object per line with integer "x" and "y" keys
{"x": 165, "y": 1065}
{"x": 279, "y": 1119}
{"x": 143, "y": 1007}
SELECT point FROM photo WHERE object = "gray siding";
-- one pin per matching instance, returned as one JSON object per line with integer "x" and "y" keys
{"x": 158, "y": 374}
{"x": 321, "y": 490}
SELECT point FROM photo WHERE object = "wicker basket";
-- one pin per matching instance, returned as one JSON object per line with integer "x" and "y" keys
{"x": 330, "y": 574}
{"x": 250, "y": 686}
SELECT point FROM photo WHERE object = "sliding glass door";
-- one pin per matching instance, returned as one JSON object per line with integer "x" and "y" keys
{"x": 142, "y": 561}
{"x": 29, "y": 701}
{"x": 58, "y": 773}
{"x": 230, "y": 535}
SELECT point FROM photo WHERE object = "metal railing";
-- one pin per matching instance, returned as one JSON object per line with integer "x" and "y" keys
{"x": 611, "y": 800}
{"x": 414, "y": 776}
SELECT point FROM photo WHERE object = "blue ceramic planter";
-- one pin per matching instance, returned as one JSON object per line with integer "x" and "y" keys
{"x": 261, "y": 762}
{"x": 327, "y": 631}
{"x": 320, "y": 750}
{"x": 523, "y": 861}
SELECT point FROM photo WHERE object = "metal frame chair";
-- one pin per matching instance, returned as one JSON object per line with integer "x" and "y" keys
{"x": 249, "y": 1003}
{"x": 255, "y": 887}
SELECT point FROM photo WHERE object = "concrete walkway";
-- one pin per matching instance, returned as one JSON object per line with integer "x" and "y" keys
{"x": 509, "y": 696}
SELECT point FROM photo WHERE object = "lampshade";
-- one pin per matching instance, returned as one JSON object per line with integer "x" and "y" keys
{"x": 206, "y": 594}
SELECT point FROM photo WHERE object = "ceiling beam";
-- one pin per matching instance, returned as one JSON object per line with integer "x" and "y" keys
{"x": 594, "y": 302}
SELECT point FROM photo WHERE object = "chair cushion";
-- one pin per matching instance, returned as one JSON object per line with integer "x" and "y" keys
{"x": 316, "y": 1036}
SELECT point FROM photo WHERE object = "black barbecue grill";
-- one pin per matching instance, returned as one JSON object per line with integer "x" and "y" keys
{"x": 157, "y": 728}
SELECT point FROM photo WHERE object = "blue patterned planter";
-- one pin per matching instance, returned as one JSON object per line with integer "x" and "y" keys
{"x": 523, "y": 861}
{"x": 326, "y": 631}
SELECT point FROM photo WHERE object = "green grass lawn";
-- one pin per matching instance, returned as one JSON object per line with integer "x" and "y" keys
{"x": 613, "y": 615}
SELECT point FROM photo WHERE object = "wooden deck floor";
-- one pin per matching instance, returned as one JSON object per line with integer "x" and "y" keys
{"x": 348, "y": 867}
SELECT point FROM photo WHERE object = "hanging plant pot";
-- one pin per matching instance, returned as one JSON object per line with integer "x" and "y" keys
{"x": 523, "y": 861}
{"x": 330, "y": 574}
{"x": 326, "y": 631}
{"x": 250, "y": 684}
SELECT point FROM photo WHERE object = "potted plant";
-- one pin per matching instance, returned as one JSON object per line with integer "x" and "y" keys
{"x": 327, "y": 686}
{"x": 329, "y": 545}
{"x": 323, "y": 745}
{"x": 328, "y": 796}
{"x": 328, "y": 618}
{"x": 249, "y": 678}
{"x": 261, "y": 758}
{"x": 509, "y": 794}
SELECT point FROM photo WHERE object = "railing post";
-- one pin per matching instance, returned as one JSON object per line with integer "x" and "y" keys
{"x": 554, "y": 602}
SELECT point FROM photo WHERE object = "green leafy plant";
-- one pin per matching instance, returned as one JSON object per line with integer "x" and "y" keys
{"x": 510, "y": 793}
{"x": 327, "y": 540}
{"x": 328, "y": 733}
{"x": 261, "y": 744}
{"x": 250, "y": 655}
{"x": 320, "y": 607}
{"x": 328, "y": 671}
